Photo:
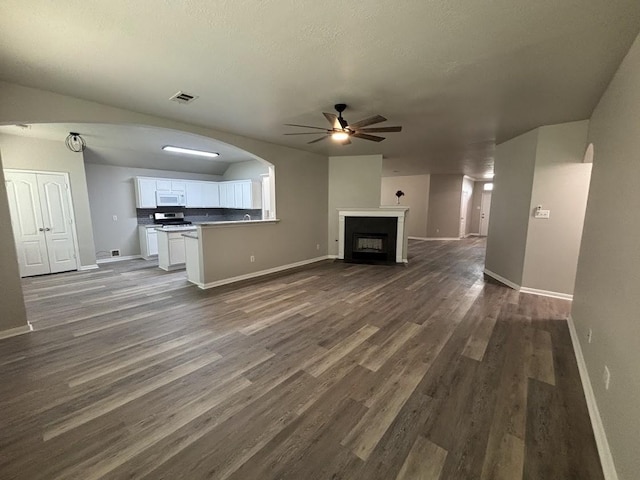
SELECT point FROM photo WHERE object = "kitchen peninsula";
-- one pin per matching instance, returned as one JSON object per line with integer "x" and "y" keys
{"x": 223, "y": 252}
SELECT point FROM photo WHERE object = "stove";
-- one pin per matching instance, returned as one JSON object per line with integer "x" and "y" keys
{"x": 170, "y": 219}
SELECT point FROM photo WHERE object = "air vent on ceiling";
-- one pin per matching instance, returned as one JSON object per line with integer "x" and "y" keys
{"x": 182, "y": 97}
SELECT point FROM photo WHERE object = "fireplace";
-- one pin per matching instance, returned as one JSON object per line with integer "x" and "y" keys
{"x": 370, "y": 239}
{"x": 372, "y": 235}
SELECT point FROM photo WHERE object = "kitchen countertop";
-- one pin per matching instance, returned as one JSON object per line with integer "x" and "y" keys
{"x": 236, "y": 222}
{"x": 177, "y": 228}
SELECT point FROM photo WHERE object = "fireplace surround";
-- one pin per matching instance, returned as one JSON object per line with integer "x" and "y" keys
{"x": 372, "y": 235}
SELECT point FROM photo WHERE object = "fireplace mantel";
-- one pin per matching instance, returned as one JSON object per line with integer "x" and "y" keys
{"x": 399, "y": 212}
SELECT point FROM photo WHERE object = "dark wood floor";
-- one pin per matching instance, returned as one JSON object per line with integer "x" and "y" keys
{"x": 332, "y": 372}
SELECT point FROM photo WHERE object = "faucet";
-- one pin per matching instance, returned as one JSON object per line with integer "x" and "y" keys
{"x": 247, "y": 217}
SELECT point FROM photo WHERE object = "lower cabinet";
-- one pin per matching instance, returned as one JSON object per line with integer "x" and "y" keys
{"x": 148, "y": 241}
{"x": 171, "y": 251}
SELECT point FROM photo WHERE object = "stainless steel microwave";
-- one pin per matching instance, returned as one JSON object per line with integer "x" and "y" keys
{"x": 170, "y": 199}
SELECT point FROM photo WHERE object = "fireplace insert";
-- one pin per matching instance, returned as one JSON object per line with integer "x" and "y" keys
{"x": 370, "y": 239}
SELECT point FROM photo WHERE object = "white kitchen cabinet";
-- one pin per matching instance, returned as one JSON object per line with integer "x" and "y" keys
{"x": 145, "y": 192}
{"x": 195, "y": 194}
{"x": 171, "y": 250}
{"x": 148, "y": 241}
{"x": 178, "y": 186}
{"x": 163, "y": 185}
{"x": 210, "y": 195}
{"x": 241, "y": 194}
{"x": 237, "y": 195}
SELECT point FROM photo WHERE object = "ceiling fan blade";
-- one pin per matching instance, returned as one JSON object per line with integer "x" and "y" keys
{"x": 318, "y": 139}
{"x": 333, "y": 120}
{"x": 303, "y": 126}
{"x": 367, "y": 121}
{"x": 305, "y": 133}
{"x": 381, "y": 129}
{"x": 364, "y": 136}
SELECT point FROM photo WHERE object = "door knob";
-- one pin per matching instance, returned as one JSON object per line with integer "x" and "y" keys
{"x": 47, "y": 229}
{"x": 41, "y": 229}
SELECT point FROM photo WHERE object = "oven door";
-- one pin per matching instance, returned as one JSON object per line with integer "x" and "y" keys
{"x": 170, "y": 199}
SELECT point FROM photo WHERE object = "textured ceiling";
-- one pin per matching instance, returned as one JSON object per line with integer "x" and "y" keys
{"x": 457, "y": 75}
{"x": 136, "y": 146}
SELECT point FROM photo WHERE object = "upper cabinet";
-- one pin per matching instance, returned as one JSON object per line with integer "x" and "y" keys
{"x": 241, "y": 194}
{"x": 145, "y": 192}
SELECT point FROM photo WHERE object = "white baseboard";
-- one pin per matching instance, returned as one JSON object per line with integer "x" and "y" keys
{"x": 433, "y": 238}
{"x": 261, "y": 273}
{"x": 118, "y": 259}
{"x": 332, "y": 256}
{"x": 531, "y": 291}
{"x": 82, "y": 268}
{"x": 546, "y": 293}
{"x": 606, "y": 459}
{"x": 12, "y": 332}
{"x": 501, "y": 279}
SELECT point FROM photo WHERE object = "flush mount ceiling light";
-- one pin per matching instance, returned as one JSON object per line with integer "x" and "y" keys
{"x": 190, "y": 151}
{"x": 488, "y": 175}
{"x": 75, "y": 142}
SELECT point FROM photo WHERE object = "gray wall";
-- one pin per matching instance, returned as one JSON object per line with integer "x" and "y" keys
{"x": 509, "y": 220}
{"x": 354, "y": 181}
{"x": 13, "y": 312}
{"x": 607, "y": 298}
{"x": 444, "y": 206}
{"x": 252, "y": 169}
{"x": 560, "y": 184}
{"x": 476, "y": 201}
{"x": 416, "y": 190}
{"x": 35, "y": 154}
{"x": 111, "y": 192}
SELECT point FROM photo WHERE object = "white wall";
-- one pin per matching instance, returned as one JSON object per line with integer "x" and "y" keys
{"x": 560, "y": 184}
{"x": 543, "y": 167}
{"x": 467, "y": 186}
{"x": 607, "y": 292}
{"x": 416, "y": 197}
{"x": 444, "y": 206}
{"x": 510, "y": 201}
{"x": 13, "y": 313}
{"x": 246, "y": 170}
{"x": 354, "y": 181}
{"x": 111, "y": 192}
{"x": 36, "y": 154}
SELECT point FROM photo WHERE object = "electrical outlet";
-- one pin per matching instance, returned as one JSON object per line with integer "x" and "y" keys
{"x": 606, "y": 377}
{"x": 115, "y": 218}
{"x": 589, "y": 336}
{"x": 542, "y": 214}
{"x": 252, "y": 258}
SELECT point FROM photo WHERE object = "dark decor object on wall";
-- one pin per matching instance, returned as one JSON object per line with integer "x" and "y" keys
{"x": 399, "y": 194}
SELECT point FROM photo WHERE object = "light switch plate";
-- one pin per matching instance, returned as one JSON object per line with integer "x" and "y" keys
{"x": 543, "y": 213}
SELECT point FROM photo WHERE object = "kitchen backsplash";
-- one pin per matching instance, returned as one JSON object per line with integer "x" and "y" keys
{"x": 200, "y": 214}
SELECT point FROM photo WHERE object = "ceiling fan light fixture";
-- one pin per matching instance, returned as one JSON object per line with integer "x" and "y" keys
{"x": 340, "y": 136}
{"x": 190, "y": 151}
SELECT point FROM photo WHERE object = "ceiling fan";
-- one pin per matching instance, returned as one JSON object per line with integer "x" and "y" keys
{"x": 341, "y": 131}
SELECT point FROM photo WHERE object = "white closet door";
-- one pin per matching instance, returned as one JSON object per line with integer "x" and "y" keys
{"x": 27, "y": 223}
{"x": 56, "y": 215}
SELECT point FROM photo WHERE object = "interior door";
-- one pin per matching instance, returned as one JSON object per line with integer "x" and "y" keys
{"x": 57, "y": 221}
{"x": 485, "y": 210}
{"x": 27, "y": 223}
{"x": 42, "y": 222}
